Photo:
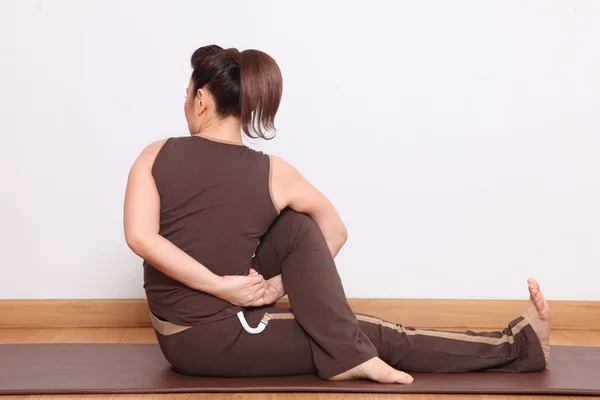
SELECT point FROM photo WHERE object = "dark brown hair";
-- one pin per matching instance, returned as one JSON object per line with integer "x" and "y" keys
{"x": 246, "y": 84}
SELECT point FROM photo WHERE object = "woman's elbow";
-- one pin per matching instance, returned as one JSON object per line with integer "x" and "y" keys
{"x": 343, "y": 235}
{"x": 136, "y": 243}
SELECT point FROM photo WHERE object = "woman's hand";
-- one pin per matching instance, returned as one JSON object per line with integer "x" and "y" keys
{"x": 272, "y": 294}
{"x": 277, "y": 283}
{"x": 245, "y": 291}
{"x": 274, "y": 289}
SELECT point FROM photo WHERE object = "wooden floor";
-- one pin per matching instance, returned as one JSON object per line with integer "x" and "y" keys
{"x": 146, "y": 335}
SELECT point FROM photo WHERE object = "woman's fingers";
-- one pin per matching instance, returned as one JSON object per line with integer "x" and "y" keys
{"x": 256, "y": 280}
{"x": 257, "y": 303}
{"x": 258, "y": 299}
{"x": 245, "y": 291}
{"x": 259, "y": 293}
{"x": 254, "y": 294}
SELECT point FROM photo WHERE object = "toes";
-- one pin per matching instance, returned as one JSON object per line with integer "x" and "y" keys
{"x": 534, "y": 289}
{"x": 403, "y": 378}
{"x": 540, "y": 305}
{"x": 533, "y": 285}
{"x": 539, "y": 296}
{"x": 408, "y": 378}
{"x": 532, "y": 281}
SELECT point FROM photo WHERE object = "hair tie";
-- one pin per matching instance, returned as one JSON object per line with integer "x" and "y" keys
{"x": 235, "y": 55}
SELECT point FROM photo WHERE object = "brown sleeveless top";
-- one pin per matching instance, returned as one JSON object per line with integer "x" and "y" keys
{"x": 215, "y": 204}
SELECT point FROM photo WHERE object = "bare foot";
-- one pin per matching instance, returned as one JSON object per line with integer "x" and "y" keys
{"x": 538, "y": 315}
{"x": 376, "y": 370}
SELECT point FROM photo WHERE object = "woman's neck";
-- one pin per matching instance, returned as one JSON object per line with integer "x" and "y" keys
{"x": 226, "y": 130}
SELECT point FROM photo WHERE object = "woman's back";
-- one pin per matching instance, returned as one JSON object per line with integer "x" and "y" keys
{"x": 215, "y": 204}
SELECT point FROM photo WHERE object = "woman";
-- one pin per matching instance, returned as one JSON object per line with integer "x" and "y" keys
{"x": 225, "y": 231}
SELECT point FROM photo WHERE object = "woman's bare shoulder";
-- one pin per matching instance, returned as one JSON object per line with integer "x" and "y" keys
{"x": 149, "y": 153}
{"x": 282, "y": 169}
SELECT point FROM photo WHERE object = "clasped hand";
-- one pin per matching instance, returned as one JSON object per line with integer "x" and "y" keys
{"x": 250, "y": 290}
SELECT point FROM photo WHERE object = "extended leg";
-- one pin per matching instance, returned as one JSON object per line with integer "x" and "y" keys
{"x": 515, "y": 349}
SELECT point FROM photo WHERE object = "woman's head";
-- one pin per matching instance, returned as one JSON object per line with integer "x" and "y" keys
{"x": 226, "y": 83}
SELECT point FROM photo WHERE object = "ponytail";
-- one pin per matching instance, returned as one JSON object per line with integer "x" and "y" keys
{"x": 261, "y": 88}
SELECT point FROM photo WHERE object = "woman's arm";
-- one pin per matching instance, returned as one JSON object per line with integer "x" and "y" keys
{"x": 141, "y": 223}
{"x": 291, "y": 189}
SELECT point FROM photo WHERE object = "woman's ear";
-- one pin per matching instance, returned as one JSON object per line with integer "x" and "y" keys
{"x": 200, "y": 100}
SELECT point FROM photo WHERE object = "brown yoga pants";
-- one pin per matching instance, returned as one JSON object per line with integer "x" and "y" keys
{"x": 320, "y": 333}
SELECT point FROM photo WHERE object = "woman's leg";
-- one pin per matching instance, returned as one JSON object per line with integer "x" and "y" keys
{"x": 515, "y": 349}
{"x": 294, "y": 246}
{"x": 225, "y": 349}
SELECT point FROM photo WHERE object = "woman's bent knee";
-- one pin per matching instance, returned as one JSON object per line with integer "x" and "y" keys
{"x": 297, "y": 219}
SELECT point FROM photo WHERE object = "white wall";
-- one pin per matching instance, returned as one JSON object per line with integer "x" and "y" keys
{"x": 458, "y": 139}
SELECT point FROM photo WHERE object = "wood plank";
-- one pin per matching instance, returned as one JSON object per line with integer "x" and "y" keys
{"x": 88, "y": 313}
{"x": 422, "y": 313}
{"x": 566, "y": 337}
